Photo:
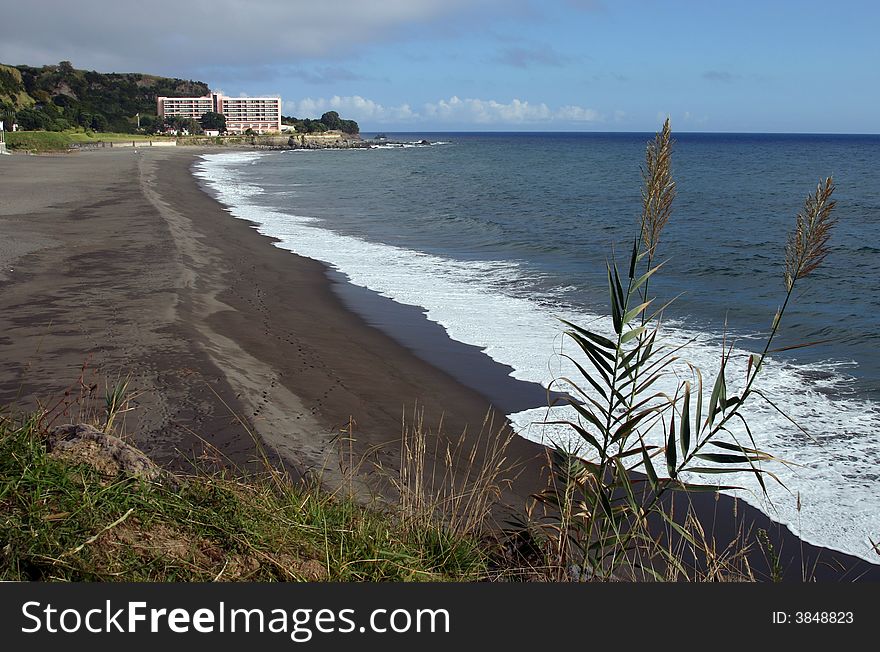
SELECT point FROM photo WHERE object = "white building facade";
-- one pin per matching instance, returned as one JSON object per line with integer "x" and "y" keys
{"x": 259, "y": 114}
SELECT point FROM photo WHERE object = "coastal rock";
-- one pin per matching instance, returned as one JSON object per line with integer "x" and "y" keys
{"x": 106, "y": 453}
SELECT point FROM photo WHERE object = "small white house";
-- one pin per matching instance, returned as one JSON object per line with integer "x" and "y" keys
{"x": 212, "y": 132}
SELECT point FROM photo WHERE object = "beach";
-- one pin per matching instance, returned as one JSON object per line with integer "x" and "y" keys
{"x": 119, "y": 261}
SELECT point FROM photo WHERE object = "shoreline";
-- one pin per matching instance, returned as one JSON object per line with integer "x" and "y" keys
{"x": 210, "y": 312}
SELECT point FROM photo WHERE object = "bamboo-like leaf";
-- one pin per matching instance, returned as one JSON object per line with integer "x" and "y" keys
{"x": 607, "y": 508}
{"x": 671, "y": 460}
{"x": 644, "y": 277}
{"x": 635, "y": 332}
{"x": 601, "y": 366}
{"x": 616, "y": 310}
{"x": 698, "y": 488}
{"x": 649, "y": 469}
{"x": 586, "y": 345}
{"x": 626, "y": 361}
{"x": 633, "y": 258}
{"x": 698, "y": 415}
{"x": 742, "y": 449}
{"x": 627, "y": 487}
{"x": 588, "y": 376}
{"x": 625, "y": 429}
{"x": 731, "y": 402}
{"x": 586, "y": 436}
{"x": 723, "y": 458}
{"x": 716, "y": 395}
{"x": 648, "y": 347}
{"x": 675, "y": 526}
{"x": 621, "y": 299}
{"x": 714, "y": 470}
{"x": 598, "y": 339}
{"x": 589, "y": 416}
{"x": 632, "y": 314}
{"x": 635, "y": 451}
{"x": 684, "y": 437}
{"x": 650, "y": 381}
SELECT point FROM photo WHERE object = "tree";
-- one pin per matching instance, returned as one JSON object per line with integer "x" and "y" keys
{"x": 213, "y": 120}
{"x": 99, "y": 122}
{"x": 32, "y": 119}
{"x": 331, "y": 120}
{"x": 349, "y": 127}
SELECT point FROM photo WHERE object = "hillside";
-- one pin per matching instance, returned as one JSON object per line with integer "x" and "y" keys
{"x": 61, "y": 97}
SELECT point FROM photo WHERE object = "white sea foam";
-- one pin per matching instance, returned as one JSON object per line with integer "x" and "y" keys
{"x": 835, "y": 477}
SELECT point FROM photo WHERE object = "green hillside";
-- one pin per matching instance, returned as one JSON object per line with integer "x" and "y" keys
{"x": 60, "y": 97}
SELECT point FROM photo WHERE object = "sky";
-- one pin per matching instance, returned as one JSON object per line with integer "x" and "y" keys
{"x": 491, "y": 65}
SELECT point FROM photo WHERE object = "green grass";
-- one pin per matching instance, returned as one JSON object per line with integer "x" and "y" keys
{"x": 52, "y": 141}
{"x": 64, "y": 521}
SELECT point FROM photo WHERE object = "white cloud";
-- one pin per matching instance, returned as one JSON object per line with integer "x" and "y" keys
{"x": 352, "y": 107}
{"x": 451, "y": 111}
{"x": 515, "y": 112}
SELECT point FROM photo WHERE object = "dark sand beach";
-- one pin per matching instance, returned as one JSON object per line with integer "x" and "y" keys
{"x": 118, "y": 260}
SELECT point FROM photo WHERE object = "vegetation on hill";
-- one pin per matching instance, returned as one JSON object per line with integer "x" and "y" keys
{"x": 60, "y": 97}
{"x": 328, "y": 122}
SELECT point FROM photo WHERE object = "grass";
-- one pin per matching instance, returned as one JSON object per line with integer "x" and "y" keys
{"x": 54, "y": 141}
{"x": 65, "y": 521}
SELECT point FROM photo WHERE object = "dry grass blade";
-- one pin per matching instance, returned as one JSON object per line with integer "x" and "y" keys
{"x": 454, "y": 482}
{"x": 807, "y": 245}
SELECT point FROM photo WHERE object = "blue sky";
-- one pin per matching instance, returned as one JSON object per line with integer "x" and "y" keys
{"x": 421, "y": 65}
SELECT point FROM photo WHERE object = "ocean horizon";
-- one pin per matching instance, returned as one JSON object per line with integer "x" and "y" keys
{"x": 496, "y": 236}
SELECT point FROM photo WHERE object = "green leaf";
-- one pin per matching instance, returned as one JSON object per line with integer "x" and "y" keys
{"x": 627, "y": 428}
{"x": 649, "y": 468}
{"x": 635, "y": 451}
{"x": 632, "y": 314}
{"x": 698, "y": 417}
{"x": 589, "y": 416}
{"x": 586, "y": 345}
{"x": 598, "y": 339}
{"x": 616, "y": 311}
{"x": 589, "y": 377}
{"x": 633, "y": 258}
{"x": 723, "y": 458}
{"x": 714, "y": 470}
{"x": 700, "y": 488}
{"x": 671, "y": 460}
{"x": 741, "y": 449}
{"x": 644, "y": 277}
{"x": 586, "y": 436}
{"x": 716, "y": 394}
{"x": 635, "y": 332}
{"x": 620, "y": 297}
{"x": 648, "y": 347}
{"x": 601, "y": 366}
{"x": 625, "y": 483}
{"x": 685, "y": 433}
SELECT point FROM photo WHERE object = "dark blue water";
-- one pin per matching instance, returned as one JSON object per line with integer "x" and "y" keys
{"x": 561, "y": 204}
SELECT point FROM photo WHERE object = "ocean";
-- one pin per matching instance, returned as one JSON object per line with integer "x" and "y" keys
{"x": 496, "y": 236}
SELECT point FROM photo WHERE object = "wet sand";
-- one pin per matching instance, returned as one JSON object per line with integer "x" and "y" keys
{"x": 118, "y": 259}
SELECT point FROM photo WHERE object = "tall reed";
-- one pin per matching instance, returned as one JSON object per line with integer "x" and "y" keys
{"x": 605, "y": 516}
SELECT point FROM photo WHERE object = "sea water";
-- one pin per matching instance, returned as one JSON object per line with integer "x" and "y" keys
{"x": 498, "y": 236}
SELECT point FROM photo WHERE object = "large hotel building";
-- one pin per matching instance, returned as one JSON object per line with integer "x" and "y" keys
{"x": 260, "y": 114}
